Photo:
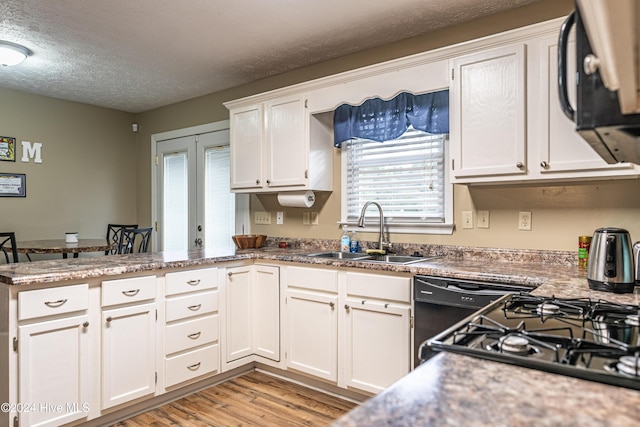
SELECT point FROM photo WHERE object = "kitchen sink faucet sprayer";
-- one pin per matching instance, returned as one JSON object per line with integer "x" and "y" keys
{"x": 382, "y": 244}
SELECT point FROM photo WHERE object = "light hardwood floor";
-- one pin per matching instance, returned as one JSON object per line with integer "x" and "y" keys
{"x": 253, "y": 399}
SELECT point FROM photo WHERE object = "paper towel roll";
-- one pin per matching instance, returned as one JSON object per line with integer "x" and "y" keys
{"x": 297, "y": 199}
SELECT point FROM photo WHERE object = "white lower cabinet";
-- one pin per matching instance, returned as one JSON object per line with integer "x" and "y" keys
{"x": 266, "y": 309}
{"x": 53, "y": 356}
{"x": 128, "y": 340}
{"x": 347, "y": 327}
{"x": 252, "y": 313}
{"x": 377, "y": 344}
{"x": 54, "y": 380}
{"x": 238, "y": 313}
{"x": 312, "y": 326}
{"x": 377, "y": 330}
{"x": 192, "y": 328}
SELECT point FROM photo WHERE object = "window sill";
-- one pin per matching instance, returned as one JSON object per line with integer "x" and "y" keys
{"x": 407, "y": 228}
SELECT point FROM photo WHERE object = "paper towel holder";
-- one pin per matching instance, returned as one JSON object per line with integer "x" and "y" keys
{"x": 298, "y": 199}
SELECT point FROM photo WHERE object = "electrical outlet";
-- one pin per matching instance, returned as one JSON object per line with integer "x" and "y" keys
{"x": 262, "y": 218}
{"x": 314, "y": 218}
{"x": 467, "y": 219}
{"x": 306, "y": 218}
{"x": 279, "y": 218}
{"x": 524, "y": 221}
{"x": 483, "y": 219}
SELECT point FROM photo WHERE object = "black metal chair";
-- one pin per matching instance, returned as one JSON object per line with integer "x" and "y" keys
{"x": 113, "y": 236}
{"x": 134, "y": 240}
{"x": 9, "y": 238}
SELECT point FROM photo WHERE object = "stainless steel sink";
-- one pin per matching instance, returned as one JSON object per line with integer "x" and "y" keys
{"x": 340, "y": 255}
{"x": 389, "y": 259}
{"x": 398, "y": 259}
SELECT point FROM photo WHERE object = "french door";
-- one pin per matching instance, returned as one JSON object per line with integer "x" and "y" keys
{"x": 195, "y": 208}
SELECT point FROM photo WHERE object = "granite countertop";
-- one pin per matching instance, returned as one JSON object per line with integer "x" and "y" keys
{"x": 457, "y": 390}
{"x": 448, "y": 390}
{"x": 502, "y": 269}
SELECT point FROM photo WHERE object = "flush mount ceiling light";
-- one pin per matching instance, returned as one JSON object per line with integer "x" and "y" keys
{"x": 12, "y": 53}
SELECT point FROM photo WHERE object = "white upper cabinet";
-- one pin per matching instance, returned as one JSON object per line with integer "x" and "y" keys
{"x": 247, "y": 144}
{"x": 506, "y": 121}
{"x": 562, "y": 152}
{"x": 288, "y": 154}
{"x": 276, "y": 145}
{"x": 488, "y": 113}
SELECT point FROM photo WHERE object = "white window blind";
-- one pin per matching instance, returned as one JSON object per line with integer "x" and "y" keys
{"x": 219, "y": 200}
{"x": 406, "y": 176}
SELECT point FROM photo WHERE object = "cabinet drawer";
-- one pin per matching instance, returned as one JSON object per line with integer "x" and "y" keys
{"x": 134, "y": 289}
{"x": 192, "y": 365}
{"x": 192, "y": 333}
{"x": 312, "y": 278}
{"x": 379, "y": 286}
{"x": 191, "y": 305}
{"x": 192, "y": 280}
{"x": 47, "y": 302}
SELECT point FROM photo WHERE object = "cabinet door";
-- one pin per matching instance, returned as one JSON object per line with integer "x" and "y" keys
{"x": 488, "y": 113}
{"x": 312, "y": 326}
{"x": 246, "y": 147}
{"x": 562, "y": 150}
{"x": 288, "y": 146}
{"x": 128, "y": 353}
{"x": 238, "y": 313}
{"x": 266, "y": 310}
{"x": 54, "y": 373}
{"x": 377, "y": 344}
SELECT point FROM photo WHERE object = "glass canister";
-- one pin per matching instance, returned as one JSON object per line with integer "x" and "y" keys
{"x": 584, "y": 244}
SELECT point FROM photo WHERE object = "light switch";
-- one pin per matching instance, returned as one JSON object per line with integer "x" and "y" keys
{"x": 467, "y": 219}
{"x": 262, "y": 218}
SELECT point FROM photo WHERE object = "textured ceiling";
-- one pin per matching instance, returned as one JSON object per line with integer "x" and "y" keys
{"x": 136, "y": 55}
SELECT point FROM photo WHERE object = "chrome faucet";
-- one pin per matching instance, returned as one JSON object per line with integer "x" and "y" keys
{"x": 382, "y": 244}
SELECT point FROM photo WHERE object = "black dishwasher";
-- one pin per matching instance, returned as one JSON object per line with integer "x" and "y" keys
{"x": 440, "y": 303}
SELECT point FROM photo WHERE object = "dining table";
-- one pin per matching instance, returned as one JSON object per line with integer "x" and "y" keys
{"x": 57, "y": 246}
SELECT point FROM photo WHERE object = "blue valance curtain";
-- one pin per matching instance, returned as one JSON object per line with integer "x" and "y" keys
{"x": 380, "y": 120}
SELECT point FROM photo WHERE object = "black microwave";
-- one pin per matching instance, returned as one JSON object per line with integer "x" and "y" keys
{"x": 613, "y": 135}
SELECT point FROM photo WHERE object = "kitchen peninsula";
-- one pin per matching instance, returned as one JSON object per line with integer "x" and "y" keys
{"x": 447, "y": 389}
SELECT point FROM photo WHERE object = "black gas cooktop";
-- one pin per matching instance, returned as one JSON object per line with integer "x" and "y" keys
{"x": 583, "y": 338}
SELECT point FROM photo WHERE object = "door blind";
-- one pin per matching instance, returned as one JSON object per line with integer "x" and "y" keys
{"x": 405, "y": 175}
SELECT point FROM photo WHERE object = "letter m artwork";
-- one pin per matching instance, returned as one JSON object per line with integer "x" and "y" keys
{"x": 31, "y": 151}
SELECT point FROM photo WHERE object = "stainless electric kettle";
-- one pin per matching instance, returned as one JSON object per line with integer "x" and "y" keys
{"x": 611, "y": 266}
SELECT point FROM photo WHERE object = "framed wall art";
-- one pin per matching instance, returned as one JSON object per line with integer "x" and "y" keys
{"x": 13, "y": 185}
{"x": 7, "y": 149}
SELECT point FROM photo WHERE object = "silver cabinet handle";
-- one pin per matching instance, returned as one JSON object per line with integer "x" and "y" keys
{"x": 590, "y": 64}
{"x": 55, "y": 304}
{"x": 193, "y": 282}
{"x": 346, "y": 307}
{"x": 230, "y": 274}
{"x": 332, "y": 304}
{"x": 257, "y": 182}
{"x": 194, "y": 367}
{"x": 544, "y": 164}
{"x": 268, "y": 181}
{"x": 85, "y": 324}
{"x": 519, "y": 165}
{"x": 194, "y": 307}
{"x": 109, "y": 319}
{"x": 195, "y": 335}
{"x": 131, "y": 292}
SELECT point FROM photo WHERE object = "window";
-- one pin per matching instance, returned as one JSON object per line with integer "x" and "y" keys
{"x": 406, "y": 176}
